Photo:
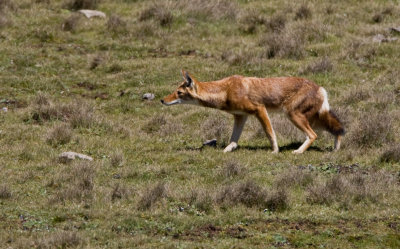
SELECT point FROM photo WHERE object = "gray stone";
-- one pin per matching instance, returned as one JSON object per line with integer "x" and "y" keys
{"x": 381, "y": 38}
{"x": 395, "y": 29}
{"x": 148, "y": 96}
{"x": 69, "y": 156}
{"x": 92, "y": 13}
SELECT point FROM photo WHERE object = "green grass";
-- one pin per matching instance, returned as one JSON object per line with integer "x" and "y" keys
{"x": 151, "y": 183}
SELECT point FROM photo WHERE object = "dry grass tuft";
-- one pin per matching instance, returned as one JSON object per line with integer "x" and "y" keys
{"x": 294, "y": 177}
{"x": 4, "y": 21}
{"x": 59, "y": 135}
{"x": 201, "y": 199}
{"x": 356, "y": 95}
{"x": 160, "y": 12}
{"x": 277, "y": 23}
{"x": 119, "y": 192}
{"x": 71, "y": 23}
{"x": 117, "y": 159}
{"x": 375, "y": 130}
{"x": 251, "y": 194}
{"x": 116, "y": 25}
{"x": 82, "y": 4}
{"x": 277, "y": 200}
{"x": 97, "y": 60}
{"x": 214, "y": 9}
{"x": 6, "y": 4}
{"x": 5, "y": 192}
{"x": 59, "y": 239}
{"x": 353, "y": 188}
{"x": 249, "y": 21}
{"x": 78, "y": 113}
{"x": 288, "y": 44}
{"x": 114, "y": 68}
{"x": 75, "y": 185}
{"x": 391, "y": 154}
{"x": 232, "y": 168}
{"x": 155, "y": 124}
{"x": 248, "y": 193}
{"x": 322, "y": 65}
{"x": 152, "y": 196}
{"x": 233, "y": 58}
{"x": 304, "y": 12}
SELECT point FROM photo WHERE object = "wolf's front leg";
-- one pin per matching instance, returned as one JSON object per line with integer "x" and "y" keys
{"x": 240, "y": 120}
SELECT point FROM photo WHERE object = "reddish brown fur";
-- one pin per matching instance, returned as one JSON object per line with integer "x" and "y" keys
{"x": 299, "y": 98}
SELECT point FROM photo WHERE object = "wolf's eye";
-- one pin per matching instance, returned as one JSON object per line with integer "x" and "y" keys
{"x": 179, "y": 92}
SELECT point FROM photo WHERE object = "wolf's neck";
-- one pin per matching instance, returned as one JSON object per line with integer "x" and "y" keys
{"x": 211, "y": 94}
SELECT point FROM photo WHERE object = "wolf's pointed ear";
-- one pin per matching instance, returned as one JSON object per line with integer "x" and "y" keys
{"x": 188, "y": 79}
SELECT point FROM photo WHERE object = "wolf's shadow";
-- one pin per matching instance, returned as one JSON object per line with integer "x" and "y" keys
{"x": 288, "y": 147}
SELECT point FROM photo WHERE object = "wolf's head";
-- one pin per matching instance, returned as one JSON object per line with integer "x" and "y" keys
{"x": 184, "y": 94}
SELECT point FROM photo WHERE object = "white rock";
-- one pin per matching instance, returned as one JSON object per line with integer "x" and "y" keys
{"x": 148, "y": 96}
{"x": 92, "y": 13}
{"x": 381, "y": 38}
{"x": 4, "y": 109}
{"x": 66, "y": 156}
{"x": 395, "y": 29}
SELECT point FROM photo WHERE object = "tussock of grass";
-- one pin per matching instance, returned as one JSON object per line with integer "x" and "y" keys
{"x": 353, "y": 188}
{"x": 59, "y": 135}
{"x": 250, "y": 20}
{"x": 61, "y": 239}
{"x": 251, "y": 194}
{"x": 288, "y": 44}
{"x": 4, "y": 21}
{"x": 117, "y": 159}
{"x": 7, "y": 4}
{"x": 5, "y": 192}
{"x": 356, "y": 95}
{"x": 373, "y": 131}
{"x": 81, "y": 4}
{"x": 304, "y": 12}
{"x": 392, "y": 154}
{"x": 78, "y": 114}
{"x": 232, "y": 169}
{"x": 71, "y": 23}
{"x": 277, "y": 23}
{"x": 97, "y": 60}
{"x": 155, "y": 124}
{"x": 152, "y": 196}
{"x": 201, "y": 199}
{"x": 294, "y": 177}
{"x": 322, "y": 65}
{"x": 214, "y": 9}
{"x": 247, "y": 193}
{"x": 76, "y": 185}
{"x": 116, "y": 25}
{"x": 118, "y": 192}
{"x": 115, "y": 68}
{"x": 160, "y": 12}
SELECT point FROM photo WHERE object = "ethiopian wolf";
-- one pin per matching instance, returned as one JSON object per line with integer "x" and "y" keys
{"x": 304, "y": 102}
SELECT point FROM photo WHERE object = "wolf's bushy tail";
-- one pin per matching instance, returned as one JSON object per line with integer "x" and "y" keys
{"x": 331, "y": 123}
{"x": 327, "y": 117}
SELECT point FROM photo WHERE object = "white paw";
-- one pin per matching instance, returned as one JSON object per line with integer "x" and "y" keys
{"x": 230, "y": 147}
{"x": 297, "y": 152}
{"x": 276, "y": 151}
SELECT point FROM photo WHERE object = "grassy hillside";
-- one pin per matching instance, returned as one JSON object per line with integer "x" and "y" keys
{"x": 68, "y": 83}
